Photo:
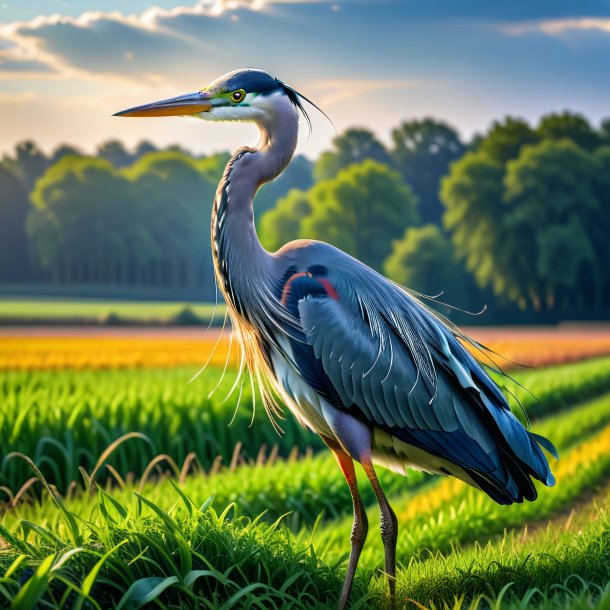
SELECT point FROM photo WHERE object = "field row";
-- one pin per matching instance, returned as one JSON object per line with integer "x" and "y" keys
{"x": 163, "y": 541}
{"x": 67, "y": 419}
{"x": 303, "y": 489}
{"x": 93, "y": 310}
{"x": 141, "y": 348}
{"x": 453, "y": 513}
{"x": 117, "y": 352}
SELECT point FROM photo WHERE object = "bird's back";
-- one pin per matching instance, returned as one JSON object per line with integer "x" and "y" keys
{"x": 371, "y": 350}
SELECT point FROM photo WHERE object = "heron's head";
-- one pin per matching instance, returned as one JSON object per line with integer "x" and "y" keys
{"x": 242, "y": 95}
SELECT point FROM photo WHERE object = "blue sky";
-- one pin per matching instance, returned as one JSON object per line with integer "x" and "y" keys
{"x": 66, "y": 66}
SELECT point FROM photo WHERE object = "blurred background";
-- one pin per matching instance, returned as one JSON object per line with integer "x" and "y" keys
{"x": 471, "y": 155}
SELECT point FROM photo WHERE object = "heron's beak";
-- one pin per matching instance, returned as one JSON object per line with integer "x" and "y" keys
{"x": 191, "y": 103}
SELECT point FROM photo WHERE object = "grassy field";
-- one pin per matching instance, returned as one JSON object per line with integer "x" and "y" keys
{"x": 143, "y": 490}
{"x": 92, "y": 310}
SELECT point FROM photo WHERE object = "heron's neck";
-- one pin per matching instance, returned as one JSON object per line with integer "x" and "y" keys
{"x": 239, "y": 258}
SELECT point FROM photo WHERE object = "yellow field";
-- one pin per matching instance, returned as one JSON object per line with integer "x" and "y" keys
{"x": 74, "y": 352}
{"x": 49, "y": 348}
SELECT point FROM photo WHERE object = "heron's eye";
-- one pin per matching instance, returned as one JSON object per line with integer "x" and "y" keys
{"x": 238, "y": 96}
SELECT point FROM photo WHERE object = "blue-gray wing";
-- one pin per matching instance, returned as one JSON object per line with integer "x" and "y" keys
{"x": 376, "y": 352}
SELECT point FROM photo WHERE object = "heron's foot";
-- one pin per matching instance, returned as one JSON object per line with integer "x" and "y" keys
{"x": 389, "y": 536}
{"x": 360, "y": 530}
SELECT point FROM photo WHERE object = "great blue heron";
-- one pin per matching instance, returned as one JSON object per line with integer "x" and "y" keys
{"x": 357, "y": 359}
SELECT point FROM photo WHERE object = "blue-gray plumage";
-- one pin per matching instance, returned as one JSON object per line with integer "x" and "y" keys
{"x": 356, "y": 358}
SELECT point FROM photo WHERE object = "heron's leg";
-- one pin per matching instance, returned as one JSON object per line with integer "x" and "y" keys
{"x": 361, "y": 525}
{"x": 389, "y": 527}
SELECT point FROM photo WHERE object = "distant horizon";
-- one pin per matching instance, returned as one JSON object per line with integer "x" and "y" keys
{"x": 90, "y": 149}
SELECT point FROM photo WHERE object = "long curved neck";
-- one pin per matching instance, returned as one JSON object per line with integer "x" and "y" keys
{"x": 239, "y": 258}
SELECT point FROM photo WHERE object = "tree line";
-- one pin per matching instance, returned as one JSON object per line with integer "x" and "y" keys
{"x": 518, "y": 217}
{"x": 117, "y": 218}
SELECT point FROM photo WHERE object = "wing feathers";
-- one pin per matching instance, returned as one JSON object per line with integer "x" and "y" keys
{"x": 392, "y": 363}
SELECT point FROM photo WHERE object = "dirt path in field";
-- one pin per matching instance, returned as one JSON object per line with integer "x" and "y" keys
{"x": 484, "y": 334}
{"x": 186, "y": 333}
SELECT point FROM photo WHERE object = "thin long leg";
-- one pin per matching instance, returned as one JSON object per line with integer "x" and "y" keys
{"x": 389, "y": 528}
{"x": 360, "y": 526}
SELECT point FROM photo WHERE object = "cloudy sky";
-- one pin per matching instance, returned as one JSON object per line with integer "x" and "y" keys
{"x": 67, "y": 65}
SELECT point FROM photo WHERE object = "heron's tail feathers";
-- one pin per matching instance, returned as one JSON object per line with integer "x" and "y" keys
{"x": 522, "y": 460}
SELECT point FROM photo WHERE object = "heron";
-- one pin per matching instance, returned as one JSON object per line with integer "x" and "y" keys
{"x": 363, "y": 362}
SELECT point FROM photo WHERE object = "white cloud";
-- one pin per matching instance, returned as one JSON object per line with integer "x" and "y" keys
{"x": 98, "y": 43}
{"x": 557, "y": 27}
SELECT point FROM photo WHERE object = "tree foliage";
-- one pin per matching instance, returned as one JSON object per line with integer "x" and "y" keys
{"x": 283, "y": 223}
{"x": 13, "y": 242}
{"x": 424, "y": 260}
{"x": 571, "y": 126}
{"x": 521, "y": 227}
{"x": 505, "y": 139}
{"x": 360, "y": 211}
{"x": 352, "y": 146}
{"x": 423, "y": 151}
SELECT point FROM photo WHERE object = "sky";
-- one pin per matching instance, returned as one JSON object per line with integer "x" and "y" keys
{"x": 67, "y": 65}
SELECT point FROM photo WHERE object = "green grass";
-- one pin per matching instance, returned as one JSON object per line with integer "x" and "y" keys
{"x": 162, "y": 543}
{"x": 301, "y": 490}
{"x": 189, "y": 557}
{"x": 543, "y": 391}
{"x": 66, "y": 419}
{"x": 547, "y": 570}
{"x": 192, "y": 556}
{"x": 92, "y": 310}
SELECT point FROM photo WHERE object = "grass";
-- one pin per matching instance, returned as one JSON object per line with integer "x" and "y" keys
{"x": 300, "y": 490}
{"x": 556, "y": 566}
{"x": 66, "y": 419}
{"x": 88, "y": 310}
{"x": 190, "y": 556}
{"x": 212, "y": 537}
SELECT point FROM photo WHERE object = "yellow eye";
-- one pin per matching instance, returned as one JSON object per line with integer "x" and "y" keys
{"x": 238, "y": 96}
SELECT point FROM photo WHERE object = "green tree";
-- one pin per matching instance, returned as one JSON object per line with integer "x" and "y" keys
{"x": 352, "y": 146}
{"x": 596, "y": 280}
{"x": 604, "y": 133}
{"x": 570, "y": 125}
{"x": 63, "y": 151}
{"x": 283, "y": 223}
{"x": 28, "y": 163}
{"x": 14, "y": 260}
{"x": 472, "y": 194}
{"x": 361, "y": 211}
{"x": 212, "y": 167}
{"x": 505, "y": 139}
{"x": 423, "y": 151}
{"x": 143, "y": 148}
{"x": 115, "y": 152}
{"x": 424, "y": 260}
{"x": 549, "y": 193}
{"x": 83, "y": 215}
{"x": 175, "y": 201}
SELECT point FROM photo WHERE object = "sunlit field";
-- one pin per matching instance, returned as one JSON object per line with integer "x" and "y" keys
{"x": 129, "y": 481}
{"x": 94, "y": 310}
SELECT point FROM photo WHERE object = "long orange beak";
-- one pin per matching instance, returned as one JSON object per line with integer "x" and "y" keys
{"x": 191, "y": 103}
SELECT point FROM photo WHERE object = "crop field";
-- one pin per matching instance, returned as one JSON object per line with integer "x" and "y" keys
{"x": 91, "y": 309}
{"x": 128, "y": 481}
